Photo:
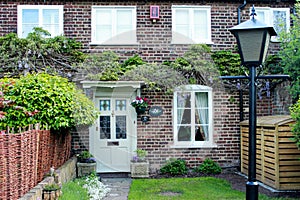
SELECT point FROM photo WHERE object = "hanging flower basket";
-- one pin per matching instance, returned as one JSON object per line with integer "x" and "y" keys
{"x": 140, "y": 110}
{"x": 140, "y": 104}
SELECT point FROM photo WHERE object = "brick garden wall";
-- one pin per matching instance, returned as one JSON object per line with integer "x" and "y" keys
{"x": 26, "y": 157}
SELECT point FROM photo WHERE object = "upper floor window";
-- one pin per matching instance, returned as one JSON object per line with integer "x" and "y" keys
{"x": 113, "y": 25}
{"x": 279, "y": 18}
{"x": 47, "y": 17}
{"x": 193, "y": 116}
{"x": 191, "y": 24}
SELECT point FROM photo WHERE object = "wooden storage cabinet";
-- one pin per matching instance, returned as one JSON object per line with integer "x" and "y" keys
{"x": 277, "y": 156}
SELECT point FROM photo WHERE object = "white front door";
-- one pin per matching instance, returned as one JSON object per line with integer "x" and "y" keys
{"x": 113, "y": 138}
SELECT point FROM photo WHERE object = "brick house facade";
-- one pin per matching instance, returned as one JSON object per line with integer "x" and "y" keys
{"x": 153, "y": 42}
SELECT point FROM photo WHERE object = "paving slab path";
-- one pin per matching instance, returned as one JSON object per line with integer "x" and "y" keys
{"x": 119, "y": 188}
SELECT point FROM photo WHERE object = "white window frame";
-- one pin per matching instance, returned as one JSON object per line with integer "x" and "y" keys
{"x": 114, "y": 41}
{"x": 268, "y": 14}
{"x": 192, "y": 39}
{"x": 60, "y": 9}
{"x": 193, "y": 144}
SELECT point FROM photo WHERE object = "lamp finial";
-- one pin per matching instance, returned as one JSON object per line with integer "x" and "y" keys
{"x": 253, "y": 12}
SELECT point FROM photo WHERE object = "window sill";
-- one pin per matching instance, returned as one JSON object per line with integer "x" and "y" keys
{"x": 113, "y": 44}
{"x": 193, "y": 146}
{"x": 191, "y": 42}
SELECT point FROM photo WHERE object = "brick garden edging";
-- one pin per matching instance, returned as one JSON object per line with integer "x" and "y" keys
{"x": 26, "y": 157}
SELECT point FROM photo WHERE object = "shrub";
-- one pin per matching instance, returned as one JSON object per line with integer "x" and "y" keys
{"x": 132, "y": 63}
{"x": 290, "y": 53}
{"x": 295, "y": 113}
{"x": 54, "y": 101}
{"x": 209, "y": 167}
{"x": 174, "y": 167}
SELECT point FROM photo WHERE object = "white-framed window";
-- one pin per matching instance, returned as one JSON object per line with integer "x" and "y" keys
{"x": 191, "y": 24}
{"x": 192, "y": 119}
{"x": 48, "y": 17}
{"x": 279, "y": 18}
{"x": 114, "y": 25}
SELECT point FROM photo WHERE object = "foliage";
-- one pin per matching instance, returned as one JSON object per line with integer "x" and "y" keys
{"x": 54, "y": 99}
{"x": 228, "y": 63}
{"x": 39, "y": 53}
{"x": 290, "y": 53}
{"x": 85, "y": 188}
{"x": 273, "y": 65}
{"x": 74, "y": 190}
{"x": 140, "y": 155}
{"x": 132, "y": 63}
{"x": 103, "y": 67}
{"x": 156, "y": 77}
{"x": 295, "y": 114}
{"x": 86, "y": 157}
{"x": 174, "y": 167}
{"x": 140, "y": 102}
{"x": 6, "y": 104}
{"x": 209, "y": 167}
{"x": 197, "y": 66}
{"x": 51, "y": 187}
{"x": 84, "y": 111}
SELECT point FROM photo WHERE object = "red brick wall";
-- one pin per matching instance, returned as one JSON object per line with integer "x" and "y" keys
{"x": 157, "y": 136}
{"x": 26, "y": 158}
{"x": 154, "y": 38}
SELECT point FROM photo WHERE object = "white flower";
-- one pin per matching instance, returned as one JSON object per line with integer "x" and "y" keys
{"x": 96, "y": 189}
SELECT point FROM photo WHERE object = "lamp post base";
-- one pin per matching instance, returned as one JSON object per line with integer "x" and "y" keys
{"x": 251, "y": 190}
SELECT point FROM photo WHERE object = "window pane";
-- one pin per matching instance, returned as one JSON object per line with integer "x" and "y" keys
{"x": 50, "y": 16}
{"x": 105, "y": 127}
{"x": 184, "y": 133}
{"x": 200, "y": 133}
{"x": 260, "y": 15}
{"x": 201, "y": 116}
{"x": 103, "y": 25}
{"x": 104, "y": 105}
{"x": 121, "y": 105}
{"x": 200, "y": 24}
{"x": 30, "y": 19}
{"x": 124, "y": 21}
{"x": 182, "y": 22}
{"x": 183, "y": 108}
{"x": 30, "y": 16}
{"x": 51, "y": 21}
{"x": 121, "y": 127}
{"x": 279, "y": 21}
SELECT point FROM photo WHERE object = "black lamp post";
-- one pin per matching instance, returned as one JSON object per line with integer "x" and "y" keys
{"x": 253, "y": 39}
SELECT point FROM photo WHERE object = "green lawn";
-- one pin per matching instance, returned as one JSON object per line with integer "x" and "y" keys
{"x": 205, "y": 188}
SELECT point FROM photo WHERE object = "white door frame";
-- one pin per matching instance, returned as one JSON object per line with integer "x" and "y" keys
{"x": 112, "y": 89}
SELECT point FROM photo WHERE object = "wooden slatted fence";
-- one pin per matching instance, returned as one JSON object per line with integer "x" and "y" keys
{"x": 278, "y": 158}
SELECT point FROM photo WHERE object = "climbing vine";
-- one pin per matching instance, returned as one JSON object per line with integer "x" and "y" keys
{"x": 38, "y": 52}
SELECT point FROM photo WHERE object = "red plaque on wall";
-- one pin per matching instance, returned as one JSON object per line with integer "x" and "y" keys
{"x": 154, "y": 12}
